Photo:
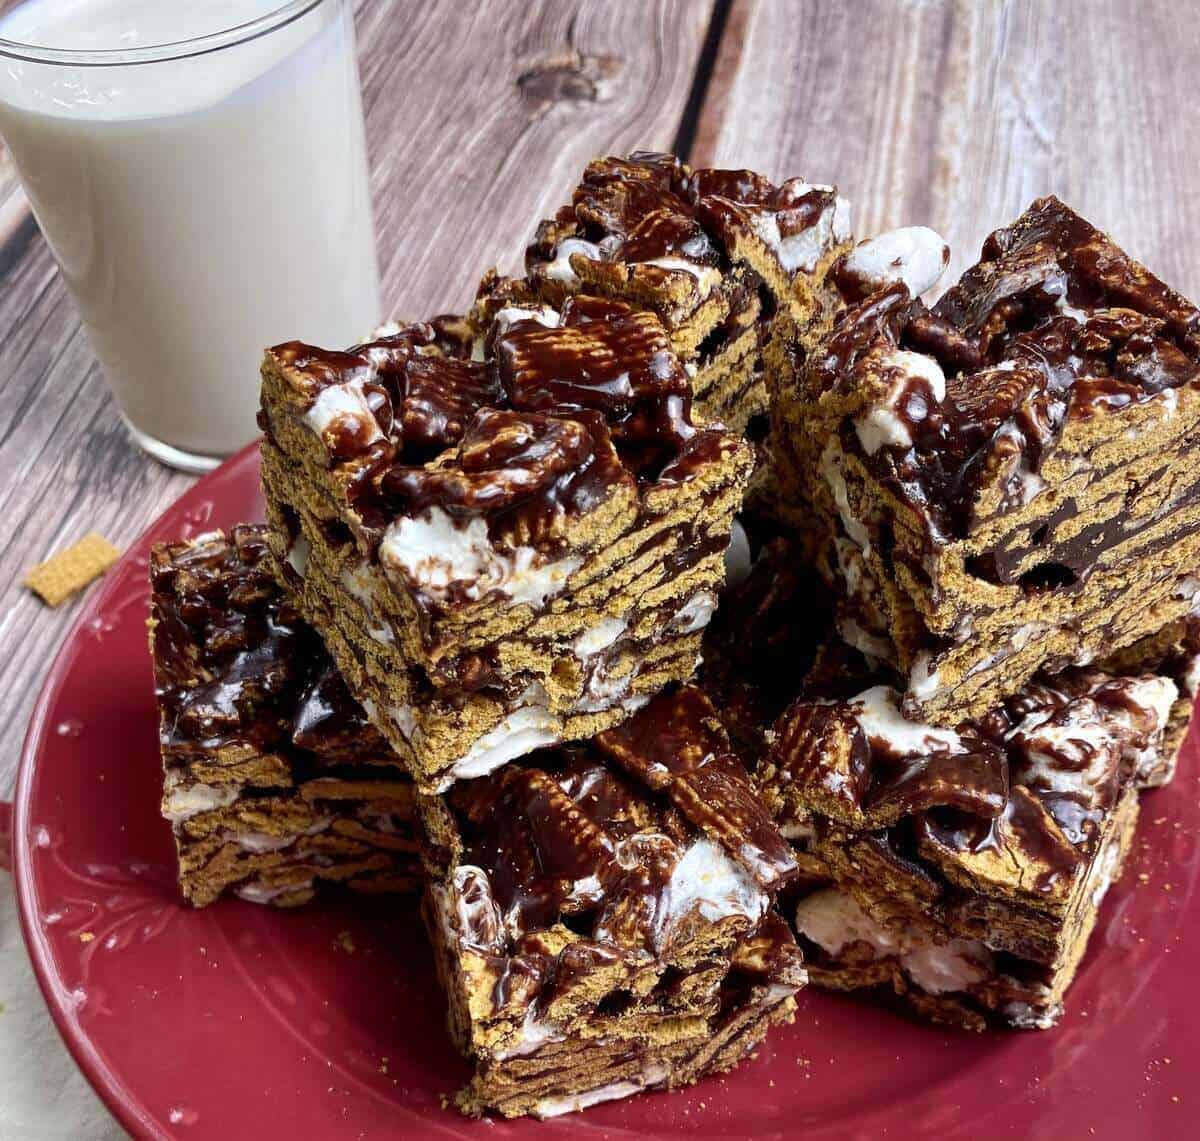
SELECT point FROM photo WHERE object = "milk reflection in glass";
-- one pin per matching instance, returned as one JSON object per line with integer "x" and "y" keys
{"x": 201, "y": 207}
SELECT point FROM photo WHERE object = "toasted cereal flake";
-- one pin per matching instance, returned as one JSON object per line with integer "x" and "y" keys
{"x": 68, "y": 572}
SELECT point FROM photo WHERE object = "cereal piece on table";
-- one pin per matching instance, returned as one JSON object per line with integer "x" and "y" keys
{"x": 68, "y": 572}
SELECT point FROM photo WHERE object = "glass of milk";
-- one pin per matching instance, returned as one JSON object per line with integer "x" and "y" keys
{"x": 199, "y": 170}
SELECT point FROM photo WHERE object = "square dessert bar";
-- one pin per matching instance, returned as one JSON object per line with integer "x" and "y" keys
{"x": 504, "y": 553}
{"x": 600, "y": 914}
{"x": 732, "y": 264}
{"x": 1009, "y": 478}
{"x": 274, "y": 779}
{"x": 962, "y": 869}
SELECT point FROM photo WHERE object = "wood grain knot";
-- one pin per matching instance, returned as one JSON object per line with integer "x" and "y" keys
{"x": 569, "y": 78}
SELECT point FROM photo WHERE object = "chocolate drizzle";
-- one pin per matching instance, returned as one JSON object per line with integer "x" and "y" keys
{"x": 566, "y": 415}
{"x": 235, "y": 666}
{"x": 651, "y": 208}
{"x": 606, "y": 357}
{"x": 676, "y": 745}
{"x": 592, "y": 836}
{"x": 1031, "y": 783}
{"x": 639, "y": 203}
{"x": 329, "y": 722}
{"x": 528, "y": 471}
{"x": 974, "y": 780}
{"x": 1053, "y": 324}
{"x": 1025, "y": 834}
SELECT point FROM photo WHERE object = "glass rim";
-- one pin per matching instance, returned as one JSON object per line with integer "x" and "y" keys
{"x": 262, "y": 25}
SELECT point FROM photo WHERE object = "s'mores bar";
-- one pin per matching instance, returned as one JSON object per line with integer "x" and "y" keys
{"x": 961, "y": 870}
{"x": 733, "y": 265}
{"x": 275, "y": 781}
{"x": 1007, "y": 478}
{"x": 600, "y": 915}
{"x": 505, "y": 553}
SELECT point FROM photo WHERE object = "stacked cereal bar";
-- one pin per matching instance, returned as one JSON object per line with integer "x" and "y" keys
{"x": 600, "y": 915}
{"x": 999, "y": 497}
{"x": 509, "y": 529}
{"x": 1006, "y": 478}
{"x": 961, "y": 638}
{"x": 274, "y": 780}
{"x": 733, "y": 265}
{"x": 506, "y": 554}
{"x": 966, "y": 865}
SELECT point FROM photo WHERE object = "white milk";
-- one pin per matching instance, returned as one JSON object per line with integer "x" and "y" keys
{"x": 201, "y": 208}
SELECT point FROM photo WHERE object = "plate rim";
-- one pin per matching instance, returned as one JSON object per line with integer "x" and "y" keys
{"x": 130, "y": 1110}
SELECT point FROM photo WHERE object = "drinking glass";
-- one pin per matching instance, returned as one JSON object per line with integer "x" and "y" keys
{"x": 199, "y": 171}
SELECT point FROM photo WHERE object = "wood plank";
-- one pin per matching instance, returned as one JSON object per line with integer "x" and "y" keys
{"x": 957, "y": 114}
{"x": 525, "y": 95}
{"x": 14, "y": 209}
{"x": 479, "y": 119}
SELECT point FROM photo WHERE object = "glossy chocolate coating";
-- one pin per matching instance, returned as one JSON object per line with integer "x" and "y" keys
{"x": 1054, "y": 323}
{"x": 562, "y": 417}
{"x": 1036, "y": 776}
{"x": 639, "y": 202}
{"x": 235, "y": 666}
{"x": 974, "y": 781}
{"x": 591, "y": 835}
{"x": 606, "y": 357}
{"x": 405, "y": 419}
{"x": 677, "y": 746}
{"x": 1023, "y": 826}
{"x": 525, "y": 469}
{"x": 652, "y": 206}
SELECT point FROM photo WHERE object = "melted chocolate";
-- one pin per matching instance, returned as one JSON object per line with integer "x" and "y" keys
{"x": 637, "y": 202}
{"x": 591, "y": 835}
{"x": 975, "y": 781}
{"x": 526, "y": 472}
{"x": 728, "y": 202}
{"x": 607, "y": 357}
{"x": 1037, "y": 778}
{"x": 504, "y": 457}
{"x": 440, "y": 396}
{"x": 1024, "y": 825}
{"x": 1053, "y": 323}
{"x": 329, "y": 722}
{"x": 235, "y": 666}
{"x": 563, "y": 418}
{"x": 763, "y": 639}
{"x": 651, "y": 206}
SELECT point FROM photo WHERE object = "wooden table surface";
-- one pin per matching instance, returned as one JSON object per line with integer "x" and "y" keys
{"x": 480, "y": 117}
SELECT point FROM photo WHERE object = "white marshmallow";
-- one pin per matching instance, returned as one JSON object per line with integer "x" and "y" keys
{"x": 599, "y": 637}
{"x": 707, "y": 881}
{"x": 344, "y": 402}
{"x": 523, "y": 730}
{"x": 560, "y": 268}
{"x": 915, "y": 255}
{"x": 434, "y": 551}
{"x": 694, "y": 614}
{"x": 877, "y": 711}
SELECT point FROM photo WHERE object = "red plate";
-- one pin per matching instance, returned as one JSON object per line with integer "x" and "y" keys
{"x": 239, "y": 1021}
